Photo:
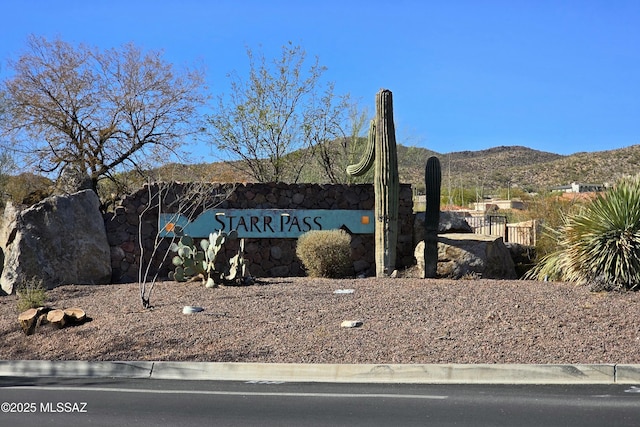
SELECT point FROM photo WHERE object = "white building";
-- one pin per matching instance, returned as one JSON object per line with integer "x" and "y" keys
{"x": 576, "y": 187}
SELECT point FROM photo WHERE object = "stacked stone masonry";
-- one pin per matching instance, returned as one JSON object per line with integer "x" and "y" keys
{"x": 132, "y": 228}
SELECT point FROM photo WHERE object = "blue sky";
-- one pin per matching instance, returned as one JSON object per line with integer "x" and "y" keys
{"x": 553, "y": 75}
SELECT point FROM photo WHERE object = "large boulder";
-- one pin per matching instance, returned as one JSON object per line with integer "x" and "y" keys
{"x": 450, "y": 222}
{"x": 60, "y": 240}
{"x": 470, "y": 255}
{"x": 7, "y": 223}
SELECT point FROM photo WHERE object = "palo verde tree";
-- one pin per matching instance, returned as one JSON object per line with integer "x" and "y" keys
{"x": 280, "y": 109}
{"x": 97, "y": 112}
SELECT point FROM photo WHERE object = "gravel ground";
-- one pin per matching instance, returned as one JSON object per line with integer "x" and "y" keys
{"x": 298, "y": 320}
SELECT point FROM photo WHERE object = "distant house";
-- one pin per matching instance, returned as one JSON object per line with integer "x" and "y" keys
{"x": 500, "y": 204}
{"x": 576, "y": 187}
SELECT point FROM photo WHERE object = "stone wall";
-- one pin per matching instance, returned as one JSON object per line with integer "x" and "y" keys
{"x": 133, "y": 226}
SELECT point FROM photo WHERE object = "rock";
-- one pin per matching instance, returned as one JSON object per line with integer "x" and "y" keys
{"x": 361, "y": 266}
{"x": 190, "y": 309}
{"x": 276, "y": 252}
{"x": 522, "y": 254}
{"x": 117, "y": 256}
{"x": 351, "y": 324}
{"x": 470, "y": 255}
{"x": 453, "y": 222}
{"x": 450, "y": 222}
{"x": 61, "y": 240}
{"x": 523, "y": 257}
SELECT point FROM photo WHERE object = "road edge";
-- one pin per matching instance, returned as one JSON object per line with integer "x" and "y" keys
{"x": 331, "y": 373}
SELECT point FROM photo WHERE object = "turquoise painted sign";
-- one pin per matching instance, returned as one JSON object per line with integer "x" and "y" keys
{"x": 267, "y": 223}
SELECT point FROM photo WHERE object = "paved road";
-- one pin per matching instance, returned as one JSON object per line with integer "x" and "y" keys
{"x": 127, "y": 402}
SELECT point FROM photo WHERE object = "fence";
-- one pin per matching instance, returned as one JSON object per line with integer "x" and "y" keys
{"x": 524, "y": 233}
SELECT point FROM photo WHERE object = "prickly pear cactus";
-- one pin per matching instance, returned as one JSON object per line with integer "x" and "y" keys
{"x": 188, "y": 260}
{"x": 432, "y": 179}
{"x": 193, "y": 262}
{"x": 381, "y": 152}
{"x": 238, "y": 271}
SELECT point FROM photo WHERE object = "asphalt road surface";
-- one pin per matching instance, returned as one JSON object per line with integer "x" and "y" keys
{"x": 126, "y": 402}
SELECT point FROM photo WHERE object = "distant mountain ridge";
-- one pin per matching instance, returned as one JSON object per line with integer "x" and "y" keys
{"x": 522, "y": 167}
{"x": 490, "y": 169}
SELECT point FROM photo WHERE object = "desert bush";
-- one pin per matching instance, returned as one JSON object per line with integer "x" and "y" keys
{"x": 31, "y": 294}
{"x": 600, "y": 243}
{"x": 325, "y": 253}
{"x": 551, "y": 211}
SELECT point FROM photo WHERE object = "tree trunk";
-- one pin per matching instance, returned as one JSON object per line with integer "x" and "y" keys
{"x": 57, "y": 318}
{"x": 30, "y": 319}
{"x": 75, "y": 315}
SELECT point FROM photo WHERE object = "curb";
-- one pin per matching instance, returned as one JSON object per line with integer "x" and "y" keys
{"x": 330, "y": 373}
{"x": 79, "y": 369}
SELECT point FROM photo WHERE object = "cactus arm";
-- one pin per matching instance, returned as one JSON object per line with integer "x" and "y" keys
{"x": 367, "y": 159}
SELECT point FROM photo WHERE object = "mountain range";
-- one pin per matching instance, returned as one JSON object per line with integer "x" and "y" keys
{"x": 534, "y": 170}
{"x": 488, "y": 170}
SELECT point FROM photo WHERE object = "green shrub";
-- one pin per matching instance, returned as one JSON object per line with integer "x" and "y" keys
{"x": 31, "y": 294}
{"x": 601, "y": 243}
{"x": 551, "y": 211}
{"x": 325, "y": 253}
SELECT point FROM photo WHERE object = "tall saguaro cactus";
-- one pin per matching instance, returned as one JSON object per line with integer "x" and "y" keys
{"x": 432, "y": 180}
{"x": 381, "y": 152}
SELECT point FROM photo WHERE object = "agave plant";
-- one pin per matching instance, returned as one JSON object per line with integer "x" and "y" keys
{"x": 601, "y": 242}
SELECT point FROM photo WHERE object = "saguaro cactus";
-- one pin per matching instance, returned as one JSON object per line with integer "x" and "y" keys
{"x": 382, "y": 153}
{"x": 432, "y": 180}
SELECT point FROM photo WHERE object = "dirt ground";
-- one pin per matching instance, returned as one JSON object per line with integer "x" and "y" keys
{"x": 298, "y": 320}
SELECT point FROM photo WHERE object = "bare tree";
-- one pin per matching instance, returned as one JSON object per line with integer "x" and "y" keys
{"x": 98, "y": 111}
{"x": 335, "y": 154}
{"x": 192, "y": 199}
{"x": 6, "y": 166}
{"x": 6, "y": 161}
{"x": 281, "y": 108}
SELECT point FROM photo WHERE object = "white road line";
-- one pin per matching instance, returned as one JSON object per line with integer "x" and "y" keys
{"x": 231, "y": 393}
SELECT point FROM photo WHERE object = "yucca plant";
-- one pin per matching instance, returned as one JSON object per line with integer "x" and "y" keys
{"x": 601, "y": 242}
